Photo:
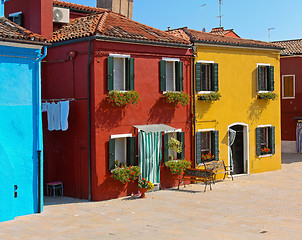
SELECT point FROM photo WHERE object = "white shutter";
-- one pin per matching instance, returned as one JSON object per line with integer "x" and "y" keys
{"x": 119, "y": 74}
{"x": 170, "y": 76}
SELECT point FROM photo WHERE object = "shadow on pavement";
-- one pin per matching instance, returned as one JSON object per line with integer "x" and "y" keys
{"x": 288, "y": 158}
{"x": 48, "y": 201}
{"x": 181, "y": 189}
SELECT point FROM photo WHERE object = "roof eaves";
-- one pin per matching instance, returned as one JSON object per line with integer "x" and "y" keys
{"x": 237, "y": 44}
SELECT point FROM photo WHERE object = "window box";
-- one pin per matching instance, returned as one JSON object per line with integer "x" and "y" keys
{"x": 267, "y": 96}
{"x": 176, "y": 98}
{"x": 265, "y": 140}
{"x": 122, "y": 99}
{"x": 209, "y": 97}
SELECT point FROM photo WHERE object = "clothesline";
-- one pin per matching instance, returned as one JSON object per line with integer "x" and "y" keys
{"x": 62, "y": 99}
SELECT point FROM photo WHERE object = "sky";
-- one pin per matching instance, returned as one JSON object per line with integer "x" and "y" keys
{"x": 249, "y": 18}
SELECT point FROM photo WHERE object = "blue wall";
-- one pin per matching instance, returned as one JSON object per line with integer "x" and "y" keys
{"x": 20, "y": 130}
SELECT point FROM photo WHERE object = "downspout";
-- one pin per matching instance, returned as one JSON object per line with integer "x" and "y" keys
{"x": 194, "y": 106}
{"x": 89, "y": 118}
{"x": 39, "y": 145}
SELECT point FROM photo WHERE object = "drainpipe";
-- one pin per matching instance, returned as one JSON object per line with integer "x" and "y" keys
{"x": 194, "y": 106}
{"x": 39, "y": 145}
{"x": 89, "y": 118}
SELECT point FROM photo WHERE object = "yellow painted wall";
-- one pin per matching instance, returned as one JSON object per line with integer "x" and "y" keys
{"x": 238, "y": 87}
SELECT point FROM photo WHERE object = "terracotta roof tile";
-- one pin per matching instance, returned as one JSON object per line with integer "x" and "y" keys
{"x": 78, "y": 7}
{"x": 111, "y": 25}
{"x": 291, "y": 47}
{"x": 11, "y": 31}
{"x": 221, "y": 31}
{"x": 211, "y": 38}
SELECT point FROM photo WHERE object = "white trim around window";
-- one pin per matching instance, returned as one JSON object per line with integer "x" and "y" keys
{"x": 121, "y": 135}
{"x": 264, "y": 64}
{"x": 265, "y": 125}
{"x": 206, "y": 130}
{"x": 203, "y": 61}
{"x": 119, "y": 55}
{"x": 174, "y": 131}
{"x": 171, "y": 59}
{"x": 294, "y": 86}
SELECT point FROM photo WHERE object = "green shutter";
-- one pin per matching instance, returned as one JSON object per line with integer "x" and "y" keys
{"x": 179, "y": 76}
{"x": 162, "y": 75}
{"x": 258, "y": 141}
{"x": 198, "y": 77}
{"x": 203, "y": 77}
{"x": 198, "y": 147}
{"x": 214, "y": 80}
{"x": 131, "y": 151}
{"x": 215, "y": 144}
{"x": 259, "y": 70}
{"x": 166, "y": 149}
{"x": 271, "y": 83}
{"x": 111, "y": 153}
{"x": 272, "y": 139}
{"x": 181, "y": 138}
{"x": 110, "y": 73}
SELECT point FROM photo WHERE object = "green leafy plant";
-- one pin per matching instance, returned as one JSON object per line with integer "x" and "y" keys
{"x": 175, "y": 145}
{"x": 267, "y": 95}
{"x": 265, "y": 150}
{"x": 209, "y": 97}
{"x": 177, "y": 98}
{"x": 126, "y": 174}
{"x": 207, "y": 157}
{"x": 178, "y": 166}
{"x": 144, "y": 183}
{"x": 121, "y": 99}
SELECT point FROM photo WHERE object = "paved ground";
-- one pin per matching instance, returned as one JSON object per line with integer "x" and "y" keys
{"x": 259, "y": 206}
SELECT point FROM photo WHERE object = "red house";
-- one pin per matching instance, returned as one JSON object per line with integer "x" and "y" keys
{"x": 291, "y": 98}
{"x": 97, "y": 53}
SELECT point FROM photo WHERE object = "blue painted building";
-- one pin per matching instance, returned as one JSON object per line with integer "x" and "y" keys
{"x": 21, "y": 164}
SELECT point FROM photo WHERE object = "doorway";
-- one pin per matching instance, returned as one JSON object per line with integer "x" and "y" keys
{"x": 238, "y": 148}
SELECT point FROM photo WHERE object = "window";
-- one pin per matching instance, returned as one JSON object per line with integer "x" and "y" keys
{"x": 171, "y": 75}
{"x": 206, "y": 76}
{"x": 16, "y": 18}
{"x": 288, "y": 86}
{"x": 265, "y": 78}
{"x": 180, "y": 136}
{"x": 120, "y": 73}
{"x": 207, "y": 142}
{"x": 265, "y": 137}
{"x": 122, "y": 149}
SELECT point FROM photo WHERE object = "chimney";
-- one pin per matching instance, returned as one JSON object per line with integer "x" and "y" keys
{"x": 37, "y": 15}
{"x": 124, "y": 7}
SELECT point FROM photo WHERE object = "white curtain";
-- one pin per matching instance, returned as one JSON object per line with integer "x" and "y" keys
{"x": 232, "y": 136}
{"x": 150, "y": 155}
{"x": 299, "y": 137}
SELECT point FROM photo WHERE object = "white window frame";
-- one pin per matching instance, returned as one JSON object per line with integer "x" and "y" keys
{"x": 294, "y": 86}
{"x": 205, "y": 62}
{"x": 262, "y": 65}
{"x": 123, "y": 56}
{"x": 265, "y": 126}
{"x": 174, "y": 71}
{"x": 122, "y": 136}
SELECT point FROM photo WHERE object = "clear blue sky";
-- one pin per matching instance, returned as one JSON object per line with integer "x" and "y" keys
{"x": 249, "y": 18}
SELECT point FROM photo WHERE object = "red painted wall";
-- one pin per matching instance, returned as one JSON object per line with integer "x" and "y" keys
{"x": 291, "y": 108}
{"x": 37, "y": 14}
{"x": 65, "y": 153}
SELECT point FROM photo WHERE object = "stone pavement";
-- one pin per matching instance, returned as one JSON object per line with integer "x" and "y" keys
{"x": 258, "y": 206}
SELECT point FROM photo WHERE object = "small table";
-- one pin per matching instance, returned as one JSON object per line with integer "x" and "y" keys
{"x": 55, "y": 186}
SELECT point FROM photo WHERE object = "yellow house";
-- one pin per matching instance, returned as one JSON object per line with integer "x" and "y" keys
{"x": 237, "y": 115}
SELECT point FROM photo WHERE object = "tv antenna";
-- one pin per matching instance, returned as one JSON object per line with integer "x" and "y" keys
{"x": 202, "y": 6}
{"x": 269, "y": 33}
{"x": 220, "y": 15}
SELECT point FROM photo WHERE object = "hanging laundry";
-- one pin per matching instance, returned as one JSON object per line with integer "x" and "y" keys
{"x": 64, "y": 115}
{"x": 44, "y": 107}
{"x": 57, "y": 116}
{"x": 50, "y": 116}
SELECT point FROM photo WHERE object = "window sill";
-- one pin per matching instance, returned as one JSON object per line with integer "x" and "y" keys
{"x": 164, "y": 92}
{"x": 264, "y": 91}
{"x": 205, "y": 92}
{"x": 288, "y": 97}
{"x": 265, "y": 155}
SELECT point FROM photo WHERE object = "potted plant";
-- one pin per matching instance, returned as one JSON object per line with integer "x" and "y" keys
{"x": 176, "y": 98}
{"x": 209, "y": 97}
{"x": 121, "y": 99}
{"x": 207, "y": 157}
{"x": 268, "y": 96}
{"x": 126, "y": 174}
{"x": 174, "y": 145}
{"x": 143, "y": 186}
{"x": 265, "y": 150}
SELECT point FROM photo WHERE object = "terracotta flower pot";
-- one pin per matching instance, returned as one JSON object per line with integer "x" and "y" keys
{"x": 143, "y": 191}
